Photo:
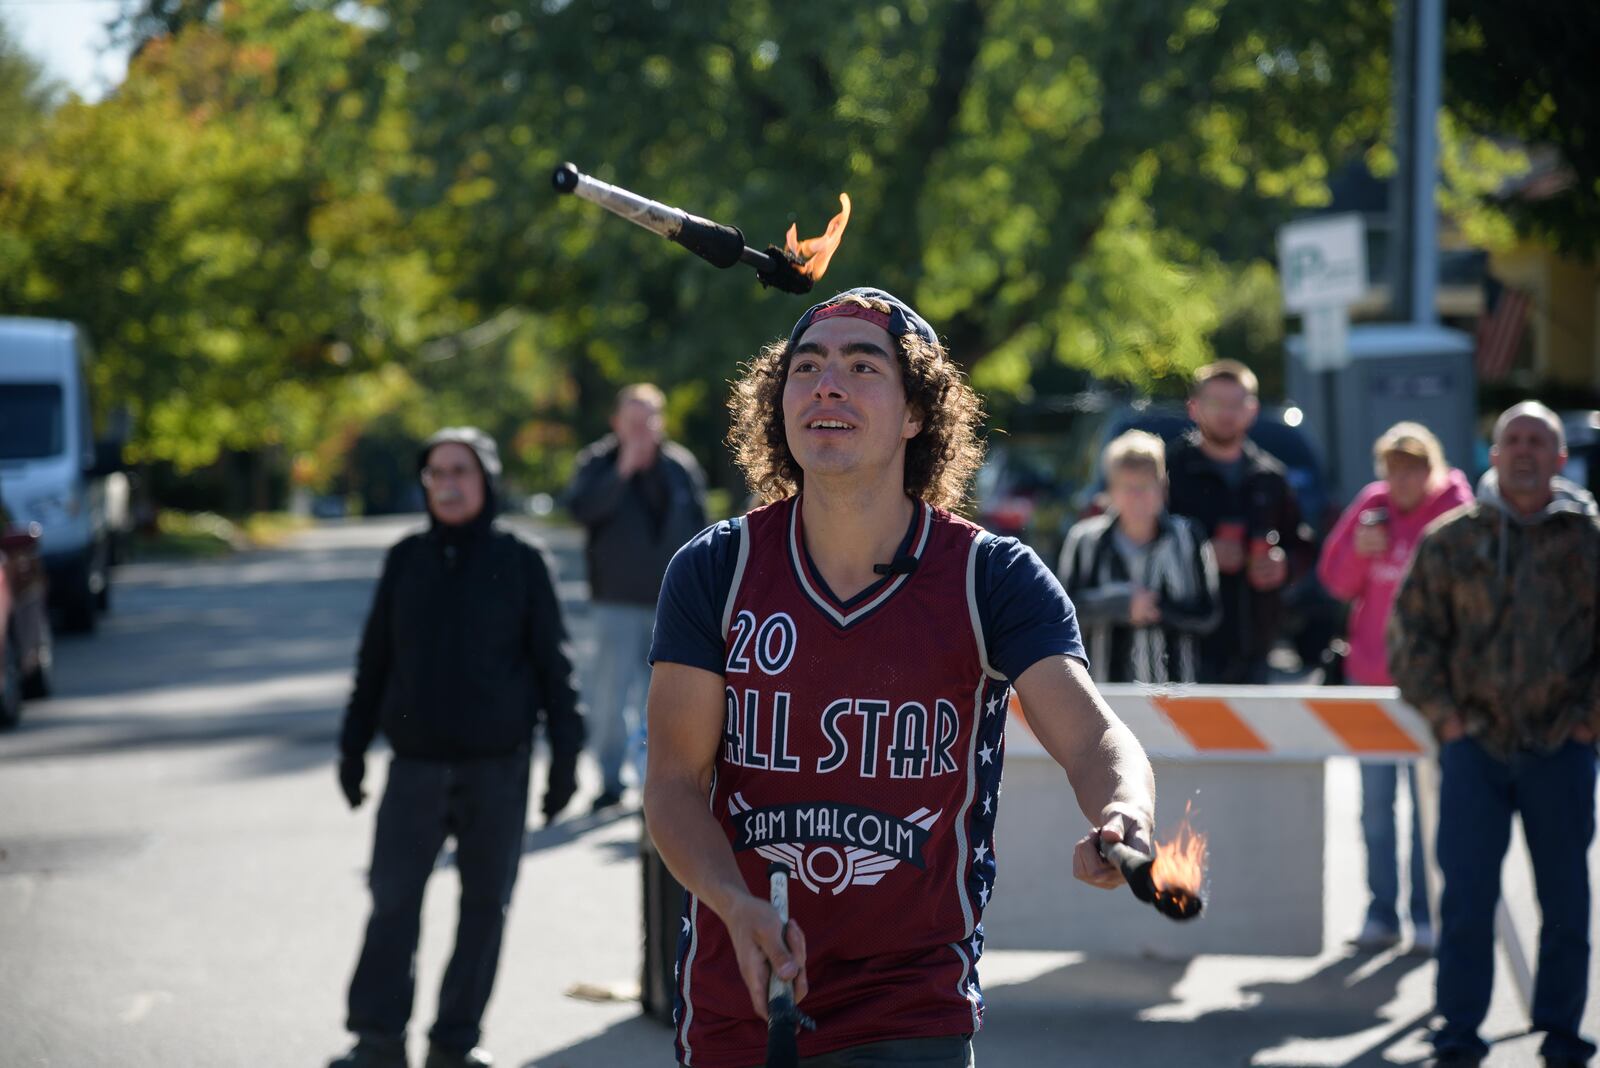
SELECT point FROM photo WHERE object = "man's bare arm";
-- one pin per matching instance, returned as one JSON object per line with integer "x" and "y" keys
{"x": 685, "y": 728}
{"x": 1104, "y": 762}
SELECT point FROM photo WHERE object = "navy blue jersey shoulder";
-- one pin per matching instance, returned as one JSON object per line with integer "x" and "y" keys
{"x": 694, "y": 593}
{"x": 1023, "y": 611}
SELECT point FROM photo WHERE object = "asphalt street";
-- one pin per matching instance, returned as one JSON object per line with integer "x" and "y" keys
{"x": 181, "y": 883}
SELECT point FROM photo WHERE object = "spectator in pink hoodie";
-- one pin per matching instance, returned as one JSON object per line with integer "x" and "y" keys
{"x": 1362, "y": 562}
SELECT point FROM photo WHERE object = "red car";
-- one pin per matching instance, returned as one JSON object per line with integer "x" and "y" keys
{"x": 26, "y": 638}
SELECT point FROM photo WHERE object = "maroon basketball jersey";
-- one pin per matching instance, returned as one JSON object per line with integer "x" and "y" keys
{"x": 862, "y": 748}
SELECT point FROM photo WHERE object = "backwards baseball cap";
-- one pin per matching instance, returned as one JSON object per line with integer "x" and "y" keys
{"x": 900, "y": 320}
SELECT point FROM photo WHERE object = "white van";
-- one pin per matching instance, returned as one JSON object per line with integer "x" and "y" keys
{"x": 51, "y": 470}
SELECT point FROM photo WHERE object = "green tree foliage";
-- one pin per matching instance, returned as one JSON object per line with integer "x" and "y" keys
{"x": 153, "y": 20}
{"x": 26, "y": 95}
{"x": 1528, "y": 72}
{"x": 220, "y": 226}
{"x": 301, "y": 219}
{"x": 1082, "y": 181}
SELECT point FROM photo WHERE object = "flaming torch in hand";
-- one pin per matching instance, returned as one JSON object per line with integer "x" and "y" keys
{"x": 1171, "y": 880}
{"x": 794, "y": 268}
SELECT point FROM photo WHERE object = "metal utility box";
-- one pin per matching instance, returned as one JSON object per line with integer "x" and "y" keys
{"x": 1396, "y": 371}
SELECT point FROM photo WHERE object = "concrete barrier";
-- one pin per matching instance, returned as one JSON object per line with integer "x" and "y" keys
{"x": 1251, "y": 761}
{"x": 1257, "y": 724}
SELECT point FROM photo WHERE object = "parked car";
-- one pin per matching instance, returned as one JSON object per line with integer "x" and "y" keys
{"x": 1583, "y": 448}
{"x": 1032, "y": 478}
{"x": 24, "y": 607}
{"x": 52, "y": 470}
{"x": 1023, "y": 492}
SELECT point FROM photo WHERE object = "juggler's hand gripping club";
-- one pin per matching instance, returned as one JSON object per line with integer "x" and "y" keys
{"x": 783, "y": 1019}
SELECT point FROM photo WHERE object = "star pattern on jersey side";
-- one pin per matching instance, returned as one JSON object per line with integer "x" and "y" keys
{"x": 983, "y": 895}
{"x": 988, "y": 806}
{"x": 986, "y": 754}
{"x": 994, "y": 705}
{"x": 982, "y": 852}
{"x": 975, "y": 949}
{"x": 686, "y": 925}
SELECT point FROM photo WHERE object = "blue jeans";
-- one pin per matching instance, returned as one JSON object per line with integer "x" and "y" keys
{"x": 1554, "y": 792}
{"x": 1383, "y": 863}
{"x": 619, "y": 682}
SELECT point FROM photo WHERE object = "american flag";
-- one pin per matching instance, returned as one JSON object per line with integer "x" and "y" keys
{"x": 1501, "y": 329}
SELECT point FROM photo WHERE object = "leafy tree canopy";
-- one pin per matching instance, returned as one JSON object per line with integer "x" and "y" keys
{"x": 301, "y": 218}
{"x": 1528, "y": 73}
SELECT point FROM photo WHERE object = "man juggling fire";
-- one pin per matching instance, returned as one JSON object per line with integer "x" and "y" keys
{"x": 832, "y": 673}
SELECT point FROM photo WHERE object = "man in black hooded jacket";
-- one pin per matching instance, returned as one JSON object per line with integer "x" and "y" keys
{"x": 463, "y": 654}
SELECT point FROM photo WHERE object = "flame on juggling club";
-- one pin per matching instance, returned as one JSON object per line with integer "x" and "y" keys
{"x": 812, "y": 254}
{"x": 791, "y": 269}
{"x": 1179, "y": 869}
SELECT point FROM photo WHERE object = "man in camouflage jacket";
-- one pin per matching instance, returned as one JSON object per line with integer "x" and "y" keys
{"x": 1495, "y": 637}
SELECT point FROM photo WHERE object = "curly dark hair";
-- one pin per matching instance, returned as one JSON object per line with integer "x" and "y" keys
{"x": 940, "y": 460}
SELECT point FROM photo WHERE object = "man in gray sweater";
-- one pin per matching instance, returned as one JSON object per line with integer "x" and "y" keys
{"x": 640, "y": 497}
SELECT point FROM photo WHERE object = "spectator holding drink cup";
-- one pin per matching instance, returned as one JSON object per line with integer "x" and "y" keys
{"x": 1227, "y": 541}
{"x": 1269, "y": 564}
{"x": 1363, "y": 561}
{"x": 1240, "y": 498}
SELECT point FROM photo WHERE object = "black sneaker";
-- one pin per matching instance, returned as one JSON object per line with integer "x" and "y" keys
{"x": 476, "y": 1057}
{"x": 1455, "y": 1058}
{"x": 374, "y": 1053}
{"x": 609, "y": 799}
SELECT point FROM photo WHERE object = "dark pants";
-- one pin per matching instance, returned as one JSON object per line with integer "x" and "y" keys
{"x": 1555, "y": 795}
{"x": 484, "y": 805}
{"x": 1378, "y": 787}
{"x": 945, "y": 1051}
{"x": 949, "y": 1051}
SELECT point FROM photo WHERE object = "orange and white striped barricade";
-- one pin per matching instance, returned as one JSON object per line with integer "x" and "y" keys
{"x": 1275, "y": 724}
{"x": 1251, "y": 760}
